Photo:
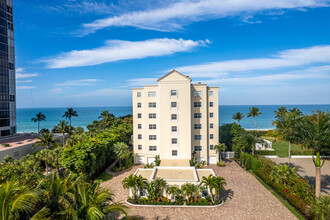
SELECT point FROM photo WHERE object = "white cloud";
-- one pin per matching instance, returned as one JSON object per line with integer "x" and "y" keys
{"x": 142, "y": 81}
{"x": 25, "y": 87}
{"x": 116, "y": 50}
{"x": 21, "y": 75}
{"x": 105, "y": 92}
{"x": 24, "y": 81}
{"x": 80, "y": 82}
{"x": 286, "y": 58}
{"x": 176, "y": 15}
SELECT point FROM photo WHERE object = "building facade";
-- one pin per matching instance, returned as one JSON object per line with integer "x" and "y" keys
{"x": 175, "y": 118}
{"x": 7, "y": 70}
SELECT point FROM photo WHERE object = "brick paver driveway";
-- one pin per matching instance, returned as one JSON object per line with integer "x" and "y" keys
{"x": 246, "y": 199}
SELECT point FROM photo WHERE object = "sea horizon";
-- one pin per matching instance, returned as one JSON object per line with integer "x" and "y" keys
{"x": 88, "y": 114}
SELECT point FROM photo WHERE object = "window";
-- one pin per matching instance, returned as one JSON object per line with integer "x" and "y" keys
{"x": 142, "y": 192}
{"x": 211, "y": 104}
{"x": 174, "y": 140}
{"x": 173, "y": 104}
{"x": 211, "y": 115}
{"x": 152, "y": 148}
{"x": 152, "y": 115}
{"x": 197, "y": 115}
{"x": 152, "y": 137}
{"x": 197, "y": 93}
{"x": 174, "y": 116}
{"x": 211, "y": 147}
{"x": 139, "y": 136}
{"x": 138, "y": 94}
{"x": 139, "y": 126}
{"x": 211, "y": 136}
{"x": 151, "y": 94}
{"x": 152, "y": 104}
{"x": 152, "y": 126}
{"x": 197, "y": 104}
{"x": 139, "y": 105}
{"x": 197, "y": 148}
{"x": 197, "y": 137}
{"x": 197, "y": 126}
{"x": 210, "y": 93}
{"x": 139, "y": 147}
{"x": 139, "y": 115}
{"x": 211, "y": 125}
{"x": 173, "y": 92}
{"x": 174, "y": 153}
{"x": 174, "y": 129}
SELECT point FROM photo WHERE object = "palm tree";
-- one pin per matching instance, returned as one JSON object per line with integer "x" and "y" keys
{"x": 121, "y": 150}
{"x": 134, "y": 182}
{"x": 69, "y": 114}
{"x": 58, "y": 198}
{"x": 238, "y": 116}
{"x": 208, "y": 183}
{"x": 281, "y": 173}
{"x": 159, "y": 185}
{"x": 93, "y": 202}
{"x": 62, "y": 128}
{"x": 45, "y": 156}
{"x": 254, "y": 112}
{"x": 188, "y": 189}
{"x": 314, "y": 132}
{"x": 281, "y": 111}
{"x": 285, "y": 127}
{"x": 45, "y": 140}
{"x": 173, "y": 191}
{"x": 219, "y": 148}
{"x": 16, "y": 200}
{"x": 54, "y": 157}
{"x": 296, "y": 111}
{"x": 39, "y": 117}
{"x": 218, "y": 183}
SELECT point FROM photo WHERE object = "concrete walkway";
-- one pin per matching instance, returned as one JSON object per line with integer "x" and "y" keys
{"x": 246, "y": 199}
{"x": 306, "y": 169}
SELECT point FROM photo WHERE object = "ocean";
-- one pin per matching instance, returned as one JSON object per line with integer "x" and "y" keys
{"x": 88, "y": 114}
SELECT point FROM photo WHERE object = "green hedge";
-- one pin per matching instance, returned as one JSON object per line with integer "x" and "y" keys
{"x": 265, "y": 152}
{"x": 303, "y": 152}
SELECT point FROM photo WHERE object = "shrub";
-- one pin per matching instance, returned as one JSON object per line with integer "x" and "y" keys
{"x": 221, "y": 164}
{"x": 303, "y": 152}
{"x": 5, "y": 145}
{"x": 321, "y": 208}
{"x": 255, "y": 164}
{"x": 248, "y": 163}
{"x": 266, "y": 152}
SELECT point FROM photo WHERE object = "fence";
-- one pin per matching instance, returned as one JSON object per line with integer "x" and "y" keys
{"x": 228, "y": 154}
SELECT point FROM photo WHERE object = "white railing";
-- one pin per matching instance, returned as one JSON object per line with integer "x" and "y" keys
{"x": 228, "y": 154}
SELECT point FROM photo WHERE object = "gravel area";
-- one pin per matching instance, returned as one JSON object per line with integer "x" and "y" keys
{"x": 245, "y": 198}
{"x": 306, "y": 169}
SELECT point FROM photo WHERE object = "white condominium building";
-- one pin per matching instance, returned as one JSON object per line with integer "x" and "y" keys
{"x": 175, "y": 118}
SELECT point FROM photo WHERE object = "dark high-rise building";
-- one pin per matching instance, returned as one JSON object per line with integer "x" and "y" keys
{"x": 7, "y": 70}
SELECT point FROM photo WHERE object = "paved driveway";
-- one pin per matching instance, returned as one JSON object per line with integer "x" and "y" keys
{"x": 306, "y": 169}
{"x": 246, "y": 199}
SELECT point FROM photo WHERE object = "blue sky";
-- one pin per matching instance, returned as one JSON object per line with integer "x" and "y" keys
{"x": 92, "y": 52}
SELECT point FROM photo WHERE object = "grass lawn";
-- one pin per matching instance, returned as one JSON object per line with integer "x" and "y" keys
{"x": 282, "y": 147}
{"x": 104, "y": 177}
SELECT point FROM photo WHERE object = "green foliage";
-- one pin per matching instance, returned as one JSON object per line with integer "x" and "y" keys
{"x": 221, "y": 164}
{"x": 69, "y": 114}
{"x": 248, "y": 163}
{"x": 303, "y": 152}
{"x": 321, "y": 208}
{"x": 104, "y": 177}
{"x": 266, "y": 152}
{"x": 157, "y": 160}
{"x": 226, "y": 136}
{"x": 121, "y": 150}
{"x": 148, "y": 165}
{"x": 5, "y": 145}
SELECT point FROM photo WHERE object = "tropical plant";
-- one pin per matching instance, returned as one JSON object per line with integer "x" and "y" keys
{"x": 45, "y": 156}
{"x": 46, "y": 140}
{"x": 281, "y": 111}
{"x": 188, "y": 190}
{"x": 321, "y": 208}
{"x": 62, "y": 128}
{"x": 208, "y": 183}
{"x": 155, "y": 188}
{"x": 121, "y": 150}
{"x": 285, "y": 127}
{"x": 254, "y": 112}
{"x": 254, "y": 138}
{"x": 281, "y": 173}
{"x": 39, "y": 117}
{"x": 157, "y": 160}
{"x": 200, "y": 164}
{"x": 134, "y": 182}
{"x": 219, "y": 183}
{"x": 173, "y": 191}
{"x": 95, "y": 203}
{"x": 219, "y": 148}
{"x": 238, "y": 116}
{"x": 69, "y": 114}
{"x": 16, "y": 200}
{"x": 314, "y": 132}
